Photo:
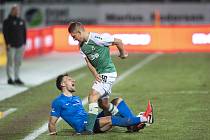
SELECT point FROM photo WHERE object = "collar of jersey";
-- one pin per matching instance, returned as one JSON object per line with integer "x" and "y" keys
{"x": 88, "y": 38}
{"x": 66, "y": 96}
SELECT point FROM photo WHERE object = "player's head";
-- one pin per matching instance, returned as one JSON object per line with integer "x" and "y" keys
{"x": 77, "y": 30}
{"x": 15, "y": 11}
{"x": 65, "y": 82}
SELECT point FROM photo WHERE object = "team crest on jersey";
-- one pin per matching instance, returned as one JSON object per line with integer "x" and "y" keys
{"x": 53, "y": 110}
{"x": 93, "y": 48}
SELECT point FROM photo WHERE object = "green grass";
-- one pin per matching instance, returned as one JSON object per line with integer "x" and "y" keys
{"x": 177, "y": 84}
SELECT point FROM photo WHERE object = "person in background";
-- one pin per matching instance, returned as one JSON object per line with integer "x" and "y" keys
{"x": 14, "y": 31}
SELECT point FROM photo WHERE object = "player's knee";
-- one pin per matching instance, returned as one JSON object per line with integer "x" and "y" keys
{"x": 116, "y": 101}
{"x": 93, "y": 97}
{"x": 103, "y": 104}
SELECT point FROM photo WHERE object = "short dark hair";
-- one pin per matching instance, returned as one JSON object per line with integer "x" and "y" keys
{"x": 75, "y": 26}
{"x": 59, "y": 80}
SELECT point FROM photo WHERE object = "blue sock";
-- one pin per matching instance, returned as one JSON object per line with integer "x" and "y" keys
{"x": 124, "y": 110}
{"x": 123, "y": 122}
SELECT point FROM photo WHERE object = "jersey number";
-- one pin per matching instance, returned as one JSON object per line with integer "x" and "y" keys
{"x": 104, "y": 78}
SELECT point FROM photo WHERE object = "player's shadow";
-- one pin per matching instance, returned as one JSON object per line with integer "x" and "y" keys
{"x": 65, "y": 132}
{"x": 71, "y": 132}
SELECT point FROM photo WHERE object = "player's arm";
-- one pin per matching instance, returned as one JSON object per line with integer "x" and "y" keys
{"x": 6, "y": 34}
{"x": 93, "y": 70}
{"x": 52, "y": 125}
{"x": 118, "y": 43}
{"x": 108, "y": 40}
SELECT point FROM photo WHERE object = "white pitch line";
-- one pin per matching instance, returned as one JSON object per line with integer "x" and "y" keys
{"x": 9, "y": 111}
{"x": 39, "y": 131}
{"x": 44, "y": 127}
{"x": 137, "y": 66}
{"x": 130, "y": 71}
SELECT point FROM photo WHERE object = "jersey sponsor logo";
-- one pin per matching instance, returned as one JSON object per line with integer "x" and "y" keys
{"x": 93, "y": 48}
{"x": 93, "y": 56}
{"x": 67, "y": 103}
{"x": 75, "y": 104}
{"x": 98, "y": 37}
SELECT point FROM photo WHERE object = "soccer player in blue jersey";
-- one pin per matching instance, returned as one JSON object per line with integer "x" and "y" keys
{"x": 94, "y": 48}
{"x": 69, "y": 108}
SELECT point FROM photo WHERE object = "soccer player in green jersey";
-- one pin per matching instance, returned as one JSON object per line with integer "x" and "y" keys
{"x": 94, "y": 48}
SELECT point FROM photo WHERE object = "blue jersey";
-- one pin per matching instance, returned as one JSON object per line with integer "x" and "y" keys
{"x": 71, "y": 110}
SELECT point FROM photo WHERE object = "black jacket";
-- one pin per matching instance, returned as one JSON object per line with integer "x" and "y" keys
{"x": 14, "y": 30}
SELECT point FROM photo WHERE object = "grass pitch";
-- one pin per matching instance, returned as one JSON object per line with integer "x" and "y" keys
{"x": 177, "y": 84}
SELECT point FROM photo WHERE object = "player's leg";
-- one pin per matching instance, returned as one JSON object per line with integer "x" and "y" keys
{"x": 147, "y": 117}
{"x": 137, "y": 123}
{"x": 125, "y": 111}
{"x": 102, "y": 124}
{"x": 122, "y": 107}
{"x": 109, "y": 108}
{"x": 108, "y": 81}
{"x": 99, "y": 89}
{"x": 9, "y": 67}
{"x": 104, "y": 111}
{"x": 17, "y": 64}
{"x": 93, "y": 109}
{"x": 120, "y": 121}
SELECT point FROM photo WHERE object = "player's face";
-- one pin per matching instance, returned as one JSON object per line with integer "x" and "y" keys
{"x": 77, "y": 36}
{"x": 69, "y": 83}
{"x": 15, "y": 11}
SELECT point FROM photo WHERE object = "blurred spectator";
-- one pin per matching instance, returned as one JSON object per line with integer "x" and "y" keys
{"x": 14, "y": 31}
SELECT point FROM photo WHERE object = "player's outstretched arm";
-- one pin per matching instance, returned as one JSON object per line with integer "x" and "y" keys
{"x": 120, "y": 47}
{"x": 52, "y": 125}
{"x": 93, "y": 70}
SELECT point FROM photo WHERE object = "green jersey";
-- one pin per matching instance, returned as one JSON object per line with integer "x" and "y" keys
{"x": 96, "y": 49}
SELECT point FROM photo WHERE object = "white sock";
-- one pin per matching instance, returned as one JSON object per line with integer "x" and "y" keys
{"x": 93, "y": 108}
{"x": 143, "y": 119}
{"x": 113, "y": 109}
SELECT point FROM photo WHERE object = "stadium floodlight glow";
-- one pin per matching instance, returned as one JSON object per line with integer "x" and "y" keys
{"x": 28, "y": 44}
{"x": 201, "y": 38}
{"x": 48, "y": 40}
{"x": 128, "y": 39}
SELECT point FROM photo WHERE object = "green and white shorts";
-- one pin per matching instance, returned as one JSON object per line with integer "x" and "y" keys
{"x": 105, "y": 86}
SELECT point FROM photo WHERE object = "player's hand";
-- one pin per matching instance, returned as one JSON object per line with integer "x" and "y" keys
{"x": 98, "y": 77}
{"x": 123, "y": 55}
